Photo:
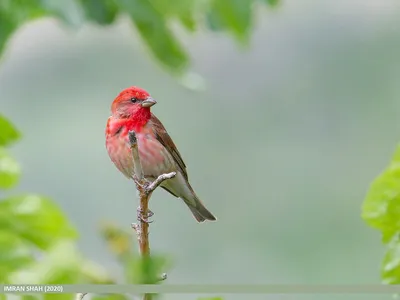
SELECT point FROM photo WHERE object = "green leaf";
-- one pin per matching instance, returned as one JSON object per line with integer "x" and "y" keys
{"x": 391, "y": 262}
{"x": 166, "y": 9}
{"x": 8, "y": 133}
{"x": 21, "y": 11}
{"x": 70, "y": 12}
{"x": 103, "y": 12}
{"x": 234, "y": 15}
{"x": 145, "y": 270}
{"x": 14, "y": 254}
{"x": 60, "y": 264}
{"x": 214, "y": 22}
{"x": 9, "y": 170}
{"x": 153, "y": 29}
{"x": 13, "y": 14}
{"x": 7, "y": 26}
{"x": 272, "y": 2}
{"x": 35, "y": 218}
{"x": 188, "y": 21}
{"x": 59, "y": 296}
{"x": 30, "y": 297}
{"x": 381, "y": 208}
{"x": 183, "y": 10}
{"x": 118, "y": 240}
{"x": 212, "y": 298}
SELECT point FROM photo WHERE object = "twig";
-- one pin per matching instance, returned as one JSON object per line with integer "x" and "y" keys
{"x": 156, "y": 183}
{"x": 145, "y": 190}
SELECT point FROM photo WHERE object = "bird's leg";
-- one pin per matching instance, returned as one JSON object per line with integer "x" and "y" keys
{"x": 142, "y": 217}
{"x": 143, "y": 184}
{"x": 138, "y": 182}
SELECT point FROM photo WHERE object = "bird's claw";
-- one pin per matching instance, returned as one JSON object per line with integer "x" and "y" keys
{"x": 137, "y": 181}
{"x": 142, "y": 217}
{"x": 143, "y": 185}
{"x": 144, "y": 220}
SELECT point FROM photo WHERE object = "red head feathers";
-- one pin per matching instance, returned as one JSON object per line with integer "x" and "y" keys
{"x": 131, "y": 101}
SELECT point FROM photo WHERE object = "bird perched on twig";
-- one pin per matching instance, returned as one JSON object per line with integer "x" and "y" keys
{"x": 158, "y": 153}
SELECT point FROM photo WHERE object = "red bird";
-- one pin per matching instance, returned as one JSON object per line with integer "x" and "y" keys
{"x": 158, "y": 153}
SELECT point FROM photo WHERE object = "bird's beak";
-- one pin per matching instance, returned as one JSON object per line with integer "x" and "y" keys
{"x": 149, "y": 102}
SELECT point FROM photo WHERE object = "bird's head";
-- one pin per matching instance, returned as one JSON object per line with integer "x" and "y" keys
{"x": 131, "y": 101}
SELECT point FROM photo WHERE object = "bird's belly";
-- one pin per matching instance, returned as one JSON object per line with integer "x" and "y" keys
{"x": 154, "y": 158}
{"x": 119, "y": 152}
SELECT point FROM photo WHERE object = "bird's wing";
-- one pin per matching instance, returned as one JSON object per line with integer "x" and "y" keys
{"x": 163, "y": 137}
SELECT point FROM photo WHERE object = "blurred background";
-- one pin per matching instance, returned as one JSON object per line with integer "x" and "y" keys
{"x": 281, "y": 143}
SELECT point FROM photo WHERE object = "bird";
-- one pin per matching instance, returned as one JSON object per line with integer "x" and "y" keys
{"x": 130, "y": 111}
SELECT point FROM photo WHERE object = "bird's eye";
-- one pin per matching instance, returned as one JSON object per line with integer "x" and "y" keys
{"x": 134, "y": 100}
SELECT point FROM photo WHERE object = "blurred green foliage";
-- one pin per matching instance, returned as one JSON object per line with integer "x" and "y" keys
{"x": 152, "y": 18}
{"x": 9, "y": 168}
{"x": 137, "y": 270}
{"x": 381, "y": 210}
{"x": 38, "y": 242}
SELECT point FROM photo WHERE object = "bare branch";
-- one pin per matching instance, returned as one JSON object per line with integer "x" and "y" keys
{"x": 150, "y": 188}
{"x": 143, "y": 213}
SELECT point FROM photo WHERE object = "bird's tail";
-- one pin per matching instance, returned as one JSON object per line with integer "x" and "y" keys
{"x": 199, "y": 211}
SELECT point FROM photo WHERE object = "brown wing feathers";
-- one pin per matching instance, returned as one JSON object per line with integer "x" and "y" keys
{"x": 163, "y": 137}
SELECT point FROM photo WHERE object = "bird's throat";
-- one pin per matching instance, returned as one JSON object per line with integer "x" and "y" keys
{"x": 138, "y": 119}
